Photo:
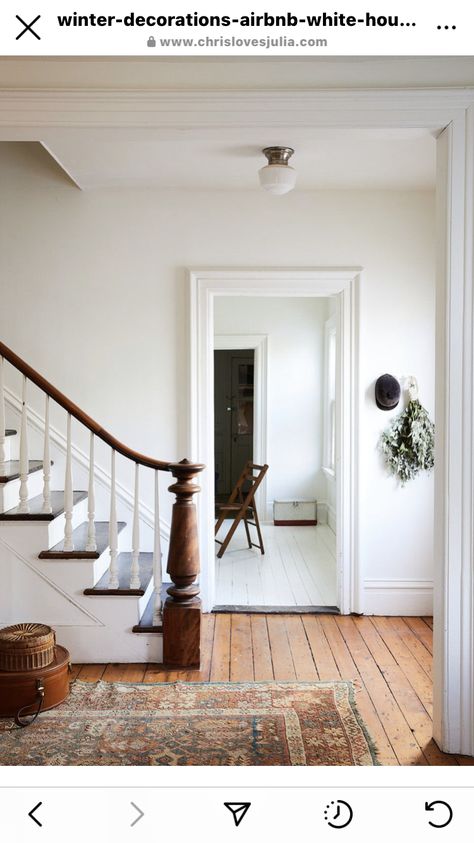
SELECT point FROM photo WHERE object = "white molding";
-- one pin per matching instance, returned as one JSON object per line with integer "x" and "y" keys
{"x": 453, "y": 720}
{"x": 398, "y": 597}
{"x": 259, "y": 342}
{"x": 341, "y": 282}
{"x": 200, "y": 110}
{"x": 82, "y": 458}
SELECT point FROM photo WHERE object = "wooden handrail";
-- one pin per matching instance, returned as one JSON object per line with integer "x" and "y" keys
{"x": 78, "y": 414}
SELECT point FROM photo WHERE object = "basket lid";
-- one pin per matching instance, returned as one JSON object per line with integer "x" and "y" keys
{"x": 24, "y": 631}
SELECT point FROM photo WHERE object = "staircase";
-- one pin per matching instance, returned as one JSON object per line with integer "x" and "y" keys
{"x": 89, "y": 578}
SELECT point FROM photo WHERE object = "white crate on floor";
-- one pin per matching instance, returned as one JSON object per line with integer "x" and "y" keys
{"x": 300, "y": 512}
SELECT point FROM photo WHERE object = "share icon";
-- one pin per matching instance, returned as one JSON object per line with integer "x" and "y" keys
{"x": 238, "y": 810}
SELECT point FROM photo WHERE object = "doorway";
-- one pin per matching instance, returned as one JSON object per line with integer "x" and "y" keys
{"x": 233, "y": 416}
{"x": 342, "y": 286}
{"x": 297, "y": 570}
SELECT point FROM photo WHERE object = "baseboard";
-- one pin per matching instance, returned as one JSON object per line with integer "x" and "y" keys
{"x": 79, "y": 456}
{"x": 398, "y": 597}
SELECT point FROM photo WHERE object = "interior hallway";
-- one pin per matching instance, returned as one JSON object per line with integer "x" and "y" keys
{"x": 297, "y": 569}
{"x": 388, "y": 659}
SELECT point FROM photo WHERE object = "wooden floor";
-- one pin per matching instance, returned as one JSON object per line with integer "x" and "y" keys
{"x": 388, "y": 659}
{"x": 297, "y": 569}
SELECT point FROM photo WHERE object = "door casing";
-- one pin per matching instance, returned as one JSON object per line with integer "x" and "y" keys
{"x": 343, "y": 284}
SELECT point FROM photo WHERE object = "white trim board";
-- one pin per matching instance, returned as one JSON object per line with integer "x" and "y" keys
{"x": 79, "y": 456}
{"x": 343, "y": 283}
{"x": 398, "y": 597}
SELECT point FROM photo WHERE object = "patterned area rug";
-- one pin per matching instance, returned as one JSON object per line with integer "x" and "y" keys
{"x": 267, "y": 723}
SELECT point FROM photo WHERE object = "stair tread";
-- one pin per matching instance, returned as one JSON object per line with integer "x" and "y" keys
{"x": 36, "y": 507}
{"x": 124, "y": 561}
{"x": 10, "y": 470}
{"x": 146, "y": 621}
{"x": 79, "y": 538}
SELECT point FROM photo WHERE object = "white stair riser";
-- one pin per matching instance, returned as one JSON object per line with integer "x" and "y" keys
{"x": 143, "y": 601}
{"x": 119, "y": 611}
{"x": 76, "y": 574}
{"x": 11, "y": 448}
{"x": 102, "y": 645}
{"x": 30, "y": 537}
{"x": 56, "y": 527}
{"x": 10, "y": 492}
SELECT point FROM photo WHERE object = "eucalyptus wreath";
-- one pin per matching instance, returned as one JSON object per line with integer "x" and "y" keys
{"x": 408, "y": 444}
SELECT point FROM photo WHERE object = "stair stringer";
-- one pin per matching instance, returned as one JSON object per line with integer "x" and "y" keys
{"x": 94, "y": 629}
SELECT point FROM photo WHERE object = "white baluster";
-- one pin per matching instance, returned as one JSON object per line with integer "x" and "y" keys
{"x": 24, "y": 505}
{"x": 113, "y": 533}
{"x": 91, "y": 544}
{"x": 46, "y": 461}
{"x": 3, "y": 450}
{"x": 157, "y": 575}
{"x": 68, "y": 492}
{"x": 135, "y": 568}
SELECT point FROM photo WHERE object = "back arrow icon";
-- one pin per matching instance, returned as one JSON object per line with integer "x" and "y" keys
{"x": 31, "y": 813}
{"x": 141, "y": 814}
{"x": 430, "y": 806}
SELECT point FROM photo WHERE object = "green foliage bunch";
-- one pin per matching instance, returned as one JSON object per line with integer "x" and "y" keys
{"x": 408, "y": 444}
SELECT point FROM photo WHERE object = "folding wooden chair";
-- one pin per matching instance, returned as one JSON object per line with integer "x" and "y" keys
{"x": 242, "y": 503}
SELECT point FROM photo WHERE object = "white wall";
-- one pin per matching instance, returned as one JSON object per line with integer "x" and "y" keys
{"x": 93, "y": 293}
{"x": 295, "y": 331}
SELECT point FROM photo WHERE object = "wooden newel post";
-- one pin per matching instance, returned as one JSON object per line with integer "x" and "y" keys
{"x": 182, "y": 608}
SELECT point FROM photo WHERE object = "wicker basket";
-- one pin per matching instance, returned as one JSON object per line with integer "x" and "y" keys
{"x": 26, "y": 646}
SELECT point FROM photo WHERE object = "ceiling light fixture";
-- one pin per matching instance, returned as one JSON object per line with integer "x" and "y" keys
{"x": 277, "y": 176}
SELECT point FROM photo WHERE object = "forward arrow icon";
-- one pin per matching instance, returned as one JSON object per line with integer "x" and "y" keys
{"x": 140, "y": 814}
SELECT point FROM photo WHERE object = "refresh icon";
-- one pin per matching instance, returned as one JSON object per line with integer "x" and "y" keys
{"x": 338, "y": 814}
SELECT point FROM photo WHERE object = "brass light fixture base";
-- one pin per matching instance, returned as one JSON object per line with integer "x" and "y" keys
{"x": 278, "y": 154}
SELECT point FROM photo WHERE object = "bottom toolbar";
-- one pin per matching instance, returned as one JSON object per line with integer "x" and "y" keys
{"x": 121, "y": 813}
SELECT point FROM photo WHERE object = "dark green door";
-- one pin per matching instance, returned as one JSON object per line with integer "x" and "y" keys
{"x": 233, "y": 416}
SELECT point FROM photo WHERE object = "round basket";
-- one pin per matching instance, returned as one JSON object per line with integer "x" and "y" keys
{"x": 26, "y": 646}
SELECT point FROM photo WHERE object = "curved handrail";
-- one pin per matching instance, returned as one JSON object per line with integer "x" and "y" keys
{"x": 78, "y": 414}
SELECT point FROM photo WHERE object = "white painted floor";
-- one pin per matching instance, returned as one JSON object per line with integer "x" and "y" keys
{"x": 297, "y": 569}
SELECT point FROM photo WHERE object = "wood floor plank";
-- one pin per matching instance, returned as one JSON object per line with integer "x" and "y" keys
{"x": 262, "y": 657}
{"x": 283, "y": 667}
{"x": 424, "y": 633}
{"x": 348, "y": 671}
{"x": 428, "y": 621}
{"x": 398, "y": 731}
{"x": 124, "y": 673}
{"x": 241, "y": 658}
{"x": 326, "y": 666}
{"x": 421, "y": 654}
{"x": 415, "y": 674}
{"x": 91, "y": 672}
{"x": 75, "y": 671}
{"x": 407, "y": 698}
{"x": 207, "y": 643}
{"x": 220, "y": 662}
{"x": 305, "y": 668}
{"x": 155, "y": 673}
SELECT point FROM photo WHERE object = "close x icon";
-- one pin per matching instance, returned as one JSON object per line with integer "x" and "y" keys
{"x": 28, "y": 27}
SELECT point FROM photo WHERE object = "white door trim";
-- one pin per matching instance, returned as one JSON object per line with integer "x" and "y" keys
{"x": 343, "y": 283}
{"x": 259, "y": 343}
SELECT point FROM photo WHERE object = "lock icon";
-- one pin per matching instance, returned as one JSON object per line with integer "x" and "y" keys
{"x": 151, "y": 42}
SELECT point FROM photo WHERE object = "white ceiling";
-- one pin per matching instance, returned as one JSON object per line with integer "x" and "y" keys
{"x": 324, "y": 159}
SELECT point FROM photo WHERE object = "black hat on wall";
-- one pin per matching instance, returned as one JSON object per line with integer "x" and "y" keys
{"x": 387, "y": 392}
